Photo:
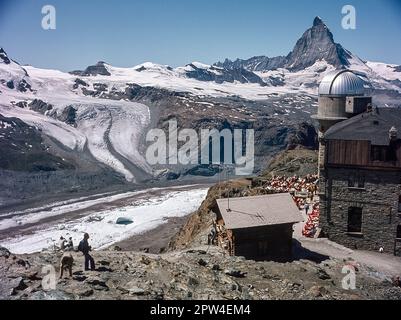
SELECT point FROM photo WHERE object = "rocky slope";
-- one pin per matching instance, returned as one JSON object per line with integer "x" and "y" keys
{"x": 32, "y": 164}
{"x": 200, "y": 273}
{"x": 299, "y": 161}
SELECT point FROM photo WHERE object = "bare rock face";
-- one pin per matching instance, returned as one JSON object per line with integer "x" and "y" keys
{"x": 97, "y": 69}
{"x": 40, "y": 106}
{"x": 259, "y": 63}
{"x": 220, "y": 75}
{"x": 79, "y": 82}
{"x": 4, "y": 252}
{"x": 317, "y": 43}
{"x": 25, "y": 148}
{"x": 4, "y": 57}
{"x": 69, "y": 115}
{"x": 24, "y": 86}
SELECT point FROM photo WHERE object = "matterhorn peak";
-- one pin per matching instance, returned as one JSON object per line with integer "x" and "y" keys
{"x": 317, "y": 44}
{"x": 318, "y": 22}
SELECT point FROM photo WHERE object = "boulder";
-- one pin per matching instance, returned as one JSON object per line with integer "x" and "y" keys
{"x": 235, "y": 273}
{"x": 4, "y": 252}
{"x": 137, "y": 291}
{"x": 124, "y": 221}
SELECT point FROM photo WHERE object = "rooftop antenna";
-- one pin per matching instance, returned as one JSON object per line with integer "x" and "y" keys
{"x": 228, "y": 184}
{"x": 220, "y": 172}
{"x": 228, "y": 168}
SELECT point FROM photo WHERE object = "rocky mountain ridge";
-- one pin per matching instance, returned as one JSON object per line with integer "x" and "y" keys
{"x": 317, "y": 43}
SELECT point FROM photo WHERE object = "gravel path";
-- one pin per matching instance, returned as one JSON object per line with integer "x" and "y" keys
{"x": 386, "y": 264}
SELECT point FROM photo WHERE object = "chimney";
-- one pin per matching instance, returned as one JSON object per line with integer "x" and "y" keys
{"x": 393, "y": 133}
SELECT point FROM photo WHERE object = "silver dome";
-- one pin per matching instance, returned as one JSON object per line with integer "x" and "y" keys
{"x": 342, "y": 83}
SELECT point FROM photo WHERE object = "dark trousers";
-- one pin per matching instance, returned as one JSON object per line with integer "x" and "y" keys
{"x": 89, "y": 260}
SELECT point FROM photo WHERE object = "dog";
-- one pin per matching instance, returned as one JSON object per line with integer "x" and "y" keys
{"x": 66, "y": 263}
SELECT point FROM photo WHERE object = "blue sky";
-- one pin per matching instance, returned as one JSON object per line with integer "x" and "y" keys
{"x": 175, "y": 32}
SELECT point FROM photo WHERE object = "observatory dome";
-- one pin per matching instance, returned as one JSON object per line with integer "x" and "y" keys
{"x": 341, "y": 83}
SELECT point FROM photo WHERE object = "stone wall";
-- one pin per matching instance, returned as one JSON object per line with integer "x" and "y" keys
{"x": 378, "y": 200}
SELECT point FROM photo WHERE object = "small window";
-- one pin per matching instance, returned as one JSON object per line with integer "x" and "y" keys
{"x": 399, "y": 231}
{"x": 384, "y": 153}
{"x": 355, "y": 220}
{"x": 351, "y": 182}
{"x": 361, "y": 182}
{"x": 378, "y": 153}
{"x": 356, "y": 181}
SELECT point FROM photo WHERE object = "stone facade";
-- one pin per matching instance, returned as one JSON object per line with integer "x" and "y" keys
{"x": 321, "y": 153}
{"x": 377, "y": 195}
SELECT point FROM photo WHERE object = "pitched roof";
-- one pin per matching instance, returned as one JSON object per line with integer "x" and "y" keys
{"x": 248, "y": 212}
{"x": 371, "y": 126}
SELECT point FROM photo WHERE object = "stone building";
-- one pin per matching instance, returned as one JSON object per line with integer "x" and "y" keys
{"x": 359, "y": 166}
{"x": 257, "y": 228}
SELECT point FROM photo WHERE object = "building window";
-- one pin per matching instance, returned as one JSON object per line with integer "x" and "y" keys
{"x": 383, "y": 153}
{"x": 355, "y": 220}
{"x": 399, "y": 231}
{"x": 356, "y": 181}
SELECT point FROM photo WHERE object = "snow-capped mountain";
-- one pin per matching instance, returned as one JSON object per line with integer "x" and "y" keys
{"x": 95, "y": 120}
{"x": 313, "y": 55}
{"x": 194, "y": 70}
{"x": 316, "y": 44}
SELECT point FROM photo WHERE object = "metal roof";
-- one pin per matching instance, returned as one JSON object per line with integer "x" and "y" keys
{"x": 248, "y": 212}
{"x": 342, "y": 83}
{"x": 371, "y": 126}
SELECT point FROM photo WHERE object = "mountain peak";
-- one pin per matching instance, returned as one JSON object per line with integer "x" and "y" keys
{"x": 317, "y": 43}
{"x": 199, "y": 65}
{"x": 98, "y": 69}
{"x": 4, "y": 57}
{"x": 318, "y": 22}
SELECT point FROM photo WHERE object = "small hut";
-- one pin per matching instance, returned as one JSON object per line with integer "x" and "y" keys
{"x": 257, "y": 228}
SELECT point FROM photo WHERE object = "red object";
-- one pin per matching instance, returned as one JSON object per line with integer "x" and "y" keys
{"x": 312, "y": 224}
